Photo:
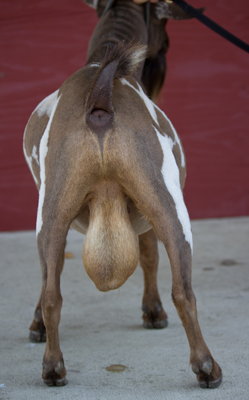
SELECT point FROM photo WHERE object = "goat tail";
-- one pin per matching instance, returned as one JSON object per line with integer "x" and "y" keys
{"x": 128, "y": 58}
{"x": 120, "y": 61}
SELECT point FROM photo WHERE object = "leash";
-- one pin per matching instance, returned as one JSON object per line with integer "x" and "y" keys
{"x": 211, "y": 24}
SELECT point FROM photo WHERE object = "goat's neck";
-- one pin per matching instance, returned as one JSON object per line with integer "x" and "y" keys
{"x": 124, "y": 23}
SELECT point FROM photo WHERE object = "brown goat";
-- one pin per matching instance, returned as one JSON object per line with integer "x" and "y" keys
{"x": 108, "y": 162}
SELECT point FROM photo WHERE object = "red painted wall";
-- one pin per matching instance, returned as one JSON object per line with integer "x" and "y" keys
{"x": 206, "y": 97}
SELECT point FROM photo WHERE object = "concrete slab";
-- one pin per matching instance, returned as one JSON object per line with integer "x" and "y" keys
{"x": 101, "y": 329}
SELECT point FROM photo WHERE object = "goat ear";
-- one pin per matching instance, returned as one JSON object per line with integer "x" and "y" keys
{"x": 172, "y": 11}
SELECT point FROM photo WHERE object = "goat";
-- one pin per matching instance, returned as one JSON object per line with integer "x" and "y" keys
{"x": 109, "y": 163}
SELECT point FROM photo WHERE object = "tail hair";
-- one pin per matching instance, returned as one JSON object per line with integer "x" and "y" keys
{"x": 127, "y": 56}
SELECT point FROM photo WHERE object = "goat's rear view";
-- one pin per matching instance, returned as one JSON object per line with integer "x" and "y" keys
{"x": 111, "y": 165}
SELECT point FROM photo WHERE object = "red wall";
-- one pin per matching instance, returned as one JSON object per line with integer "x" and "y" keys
{"x": 206, "y": 97}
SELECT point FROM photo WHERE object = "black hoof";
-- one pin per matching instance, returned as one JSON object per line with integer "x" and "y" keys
{"x": 210, "y": 384}
{"x": 58, "y": 382}
{"x": 37, "y": 337}
{"x": 155, "y": 324}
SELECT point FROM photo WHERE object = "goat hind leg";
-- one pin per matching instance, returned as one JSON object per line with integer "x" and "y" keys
{"x": 154, "y": 315}
{"x": 51, "y": 244}
{"x": 209, "y": 374}
{"x": 176, "y": 237}
{"x": 37, "y": 328}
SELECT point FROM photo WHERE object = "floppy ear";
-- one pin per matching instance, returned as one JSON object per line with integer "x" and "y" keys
{"x": 172, "y": 11}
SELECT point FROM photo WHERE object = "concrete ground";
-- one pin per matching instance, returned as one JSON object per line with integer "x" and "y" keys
{"x": 101, "y": 329}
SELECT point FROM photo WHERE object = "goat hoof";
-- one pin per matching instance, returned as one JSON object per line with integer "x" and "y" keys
{"x": 54, "y": 374}
{"x": 160, "y": 324}
{"x": 37, "y": 337}
{"x": 58, "y": 382}
{"x": 154, "y": 318}
{"x": 155, "y": 324}
{"x": 209, "y": 375}
{"x": 210, "y": 384}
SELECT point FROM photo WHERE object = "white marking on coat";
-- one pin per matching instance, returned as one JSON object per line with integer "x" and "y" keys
{"x": 29, "y": 160}
{"x": 151, "y": 108}
{"x": 34, "y": 154}
{"x": 43, "y": 153}
{"x": 171, "y": 178}
{"x": 46, "y": 105}
{"x": 175, "y": 134}
{"x": 94, "y": 65}
{"x": 148, "y": 103}
{"x": 138, "y": 56}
